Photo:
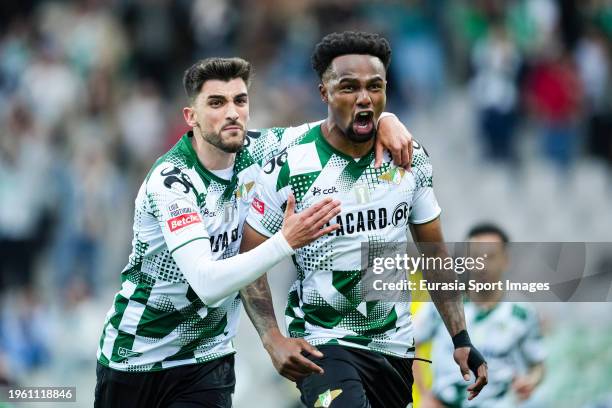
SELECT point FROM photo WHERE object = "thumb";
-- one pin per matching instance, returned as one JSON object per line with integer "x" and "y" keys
{"x": 461, "y": 360}
{"x": 465, "y": 370}
{"x": 378, "y": 154}
{"x": 290, "y": 209}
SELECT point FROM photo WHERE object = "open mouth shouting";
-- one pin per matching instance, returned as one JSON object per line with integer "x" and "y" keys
{"x": 363, "y": 123}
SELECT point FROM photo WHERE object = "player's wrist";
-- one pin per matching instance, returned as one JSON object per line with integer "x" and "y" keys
{"x": 270, "y": 337}
{"x": 474, "y": 358}
{"x": 286, "y": 236}
{"x": 462, "y": 339}
{"x": 384, "y": 115}
{"x": 284, "y": 242}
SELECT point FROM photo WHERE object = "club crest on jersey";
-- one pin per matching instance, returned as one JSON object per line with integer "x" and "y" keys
{"x": 393, "y": 175}
{"x": 244, "y": 189}
{"x": 325, "y": 399}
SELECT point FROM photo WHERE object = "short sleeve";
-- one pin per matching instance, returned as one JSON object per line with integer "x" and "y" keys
{"x": 271, "y": 192}
{"x": 172, "y": 199}
{"x": 424, "y": 206}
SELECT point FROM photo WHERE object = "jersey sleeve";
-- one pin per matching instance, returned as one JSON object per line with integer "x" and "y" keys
{"x": 265, "y": 143}
{"x": 424, "y": 206}
{"x": 172, "y": 200}
{"x": 271, "y": 192}
{"x": 426, "y": 323}
{"x": 532, "y": 345}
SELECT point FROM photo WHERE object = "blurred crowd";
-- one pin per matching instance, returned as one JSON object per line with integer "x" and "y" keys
{"x": 90, "y": 95}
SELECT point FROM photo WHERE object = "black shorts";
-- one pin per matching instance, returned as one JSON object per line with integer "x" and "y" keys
{"x": 208, "y": 385}
{"x": 356, "y": 378}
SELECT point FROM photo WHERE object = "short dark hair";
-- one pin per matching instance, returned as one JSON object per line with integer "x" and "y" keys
{"x": 349, "y": 42}
{"x": 488, "y": 228}
{"x": 224, "y": 69}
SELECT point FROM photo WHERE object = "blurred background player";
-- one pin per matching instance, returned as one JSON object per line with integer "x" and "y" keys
{"x": 507, "y": 333}
{"x": 367, "y": 345}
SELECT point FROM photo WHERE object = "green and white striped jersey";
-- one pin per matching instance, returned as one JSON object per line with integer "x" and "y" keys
{"x": 326, "y": 304}
{"x": 157, "y": 321}
{"x": 508, "y": 336}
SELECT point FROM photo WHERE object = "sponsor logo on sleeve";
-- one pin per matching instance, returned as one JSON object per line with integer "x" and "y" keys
{"x": 183, "y": 221}
{"x": 175, "y": 210}
{"x": 258, "y": 205}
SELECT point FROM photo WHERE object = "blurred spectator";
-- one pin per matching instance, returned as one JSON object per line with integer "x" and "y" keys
{"x": 555, "y": 97}
{"x": 142, "y": 122}
{"x": 24, "y": 163}
{"x": 418, "y": 54}
{"x": 89, "y": 34}
{"x": 50, "y": 87}
{"x": 15, "y": 54}
{"x": 24, "y": 332}
{"x": 88, "y": 188}
{"x": 5, "y": 374}
{"x": 213, "y": 22}
{"x": 151, "y": 30}
{"x": 496, "y": 63}
{"x": 534, "y": 24}
{"x": 593, "y": 59}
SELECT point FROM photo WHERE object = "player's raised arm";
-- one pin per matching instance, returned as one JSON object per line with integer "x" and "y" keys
{"x": 431, "y": 243}
{"x": 393, "y": 136}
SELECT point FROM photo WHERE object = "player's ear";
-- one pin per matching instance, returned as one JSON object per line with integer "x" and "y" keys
{"x": 190, "y": 116}
{"x": 323, "y": 92}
